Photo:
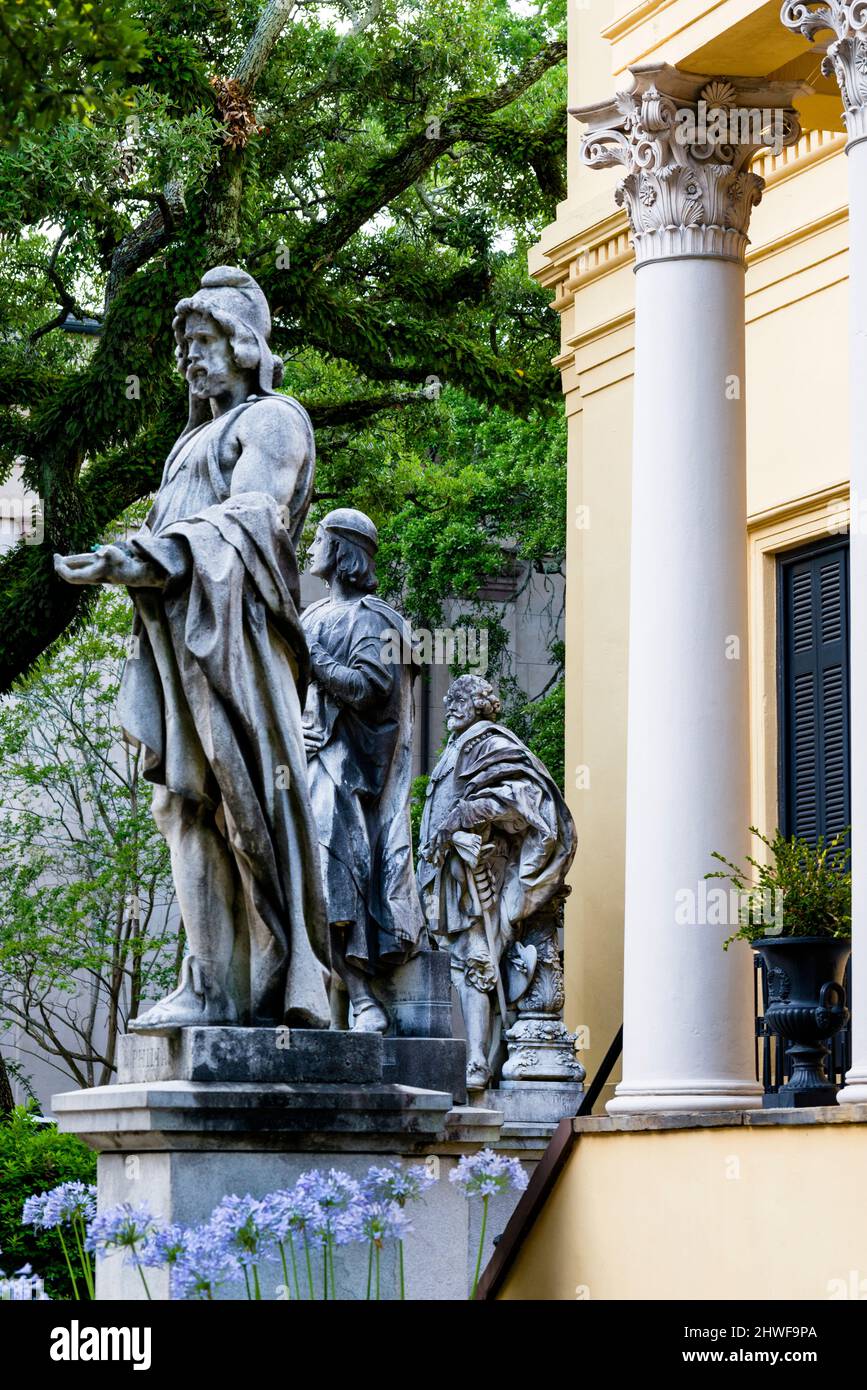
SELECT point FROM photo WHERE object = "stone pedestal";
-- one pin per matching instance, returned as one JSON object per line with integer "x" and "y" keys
{"x": 305, "y": 1055}
{"x": 531, "y": 1110}
{"x": 418, "y": 996}
{"x": 209, "y": 1112}
{"x": 541, "y": 1049}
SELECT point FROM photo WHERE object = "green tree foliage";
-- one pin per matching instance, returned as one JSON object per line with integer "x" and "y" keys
{"x": 61, "y": 58}
{"x": 85, "y": 883}
{"x": 35, "y": 1158}
{"x": 540, "y": 724}
{"x": 382, "y": 167}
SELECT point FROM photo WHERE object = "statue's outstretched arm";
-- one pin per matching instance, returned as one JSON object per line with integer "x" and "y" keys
{"x": 110, "y": 564}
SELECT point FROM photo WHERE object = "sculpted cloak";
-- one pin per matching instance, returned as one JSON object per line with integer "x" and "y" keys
{"x": 213, "y": 692}
{"x": 488, "y": 781}
{"x": 360, "y": 778}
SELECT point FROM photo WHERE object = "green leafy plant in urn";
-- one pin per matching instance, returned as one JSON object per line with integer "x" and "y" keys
{"x": 795, "y": 909}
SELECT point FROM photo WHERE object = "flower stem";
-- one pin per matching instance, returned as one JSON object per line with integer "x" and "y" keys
{"x": 309, "y": 1267}
{"x": 247, "y": 1281}
{"x": 400, "y": 1269}
{"x": 286, "y": 1283}
{"x": 369, "y": 1268}
{"x": 377, "y": 1273}
{"x": 85, "y": 1260}
{"x": 144, "y": 1281}
{"x": 68, "y": 1264}
{"x": 485, "y": 1201}
{"x": 294, "y": 1264}
{"x": 257, "y": 1290}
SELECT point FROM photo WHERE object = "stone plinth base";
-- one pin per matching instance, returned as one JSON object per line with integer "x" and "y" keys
{"x": 307, "y": 1055}
{"x": 439, "y": 1252}
{"x": 532, "y": 1110}
{"x": 178, "y": 1140}
{"x": 251, "y": 1054}
{"x": 417, "y": 996}
{"x": 541, "y": 1048}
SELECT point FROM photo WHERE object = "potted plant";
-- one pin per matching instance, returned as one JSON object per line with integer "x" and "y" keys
{"x": 795, "y": 909}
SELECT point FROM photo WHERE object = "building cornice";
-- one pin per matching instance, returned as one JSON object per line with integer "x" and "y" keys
{"x": 822, "y": 223}
{"x": 798, "y": 508}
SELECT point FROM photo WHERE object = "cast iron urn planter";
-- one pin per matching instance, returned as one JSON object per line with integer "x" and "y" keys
{"x": 806, "y": 1007}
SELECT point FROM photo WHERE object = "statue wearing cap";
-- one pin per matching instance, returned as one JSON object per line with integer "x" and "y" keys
{"x": 214, "y": 691}
{"x": 358, "y": 736}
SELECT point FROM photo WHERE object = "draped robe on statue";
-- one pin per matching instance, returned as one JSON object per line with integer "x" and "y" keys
{"x": 361, "y": 776}
{"x": 213, "y": 693}
{"x": 488, "y": 781}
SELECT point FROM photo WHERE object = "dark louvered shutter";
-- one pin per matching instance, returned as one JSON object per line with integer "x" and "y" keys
{"x": 814, "y": 689}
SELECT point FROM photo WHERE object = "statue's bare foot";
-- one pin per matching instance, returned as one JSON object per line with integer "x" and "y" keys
{"x": 478, "y": 1076}
{"x": 190, "y": 1005}
{"x": 369, "y": 1018}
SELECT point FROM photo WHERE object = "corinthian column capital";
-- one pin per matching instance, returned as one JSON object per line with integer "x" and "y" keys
{"x": 845, "y": 57}
{"x": 686, "y": 141}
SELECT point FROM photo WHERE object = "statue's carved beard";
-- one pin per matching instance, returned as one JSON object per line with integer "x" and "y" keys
{"x": 205, "y": 382}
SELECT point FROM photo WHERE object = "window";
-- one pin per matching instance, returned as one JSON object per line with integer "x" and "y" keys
{"x": 813, "y": 672}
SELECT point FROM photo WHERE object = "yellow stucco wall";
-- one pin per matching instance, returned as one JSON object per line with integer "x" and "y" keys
{"x": 797, "y": 434}
{"x": 738, "y": 1212}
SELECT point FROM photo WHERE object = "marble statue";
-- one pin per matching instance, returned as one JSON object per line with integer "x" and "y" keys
{"x": 216, "y": 678}
{"x": 358, "y": 736}
{"x": 497, "y": 841}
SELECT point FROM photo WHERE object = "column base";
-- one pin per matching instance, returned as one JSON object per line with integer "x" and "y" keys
{"x": 626, "y": 1101}
{"x": 854, "y": 1090}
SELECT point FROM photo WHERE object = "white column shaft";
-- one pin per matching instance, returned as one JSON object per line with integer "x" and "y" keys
{"x": 688, "y": 1007}
{"x": 855, "y": 1090}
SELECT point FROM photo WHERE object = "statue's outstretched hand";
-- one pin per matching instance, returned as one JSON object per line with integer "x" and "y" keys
{"x": 81, "y": 569}
{"x": 109, "y": 564}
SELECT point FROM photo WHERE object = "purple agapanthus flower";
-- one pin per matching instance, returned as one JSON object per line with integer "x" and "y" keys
{"x": 333, "y": 1190}
{"x": 381, "y": 1221}
{"x": 124, "y": 1228}
{"x": 60, "y": 1205}
{"x": 69, "y": 1200}
{"x": 164, "y": 1247}
{"x": 484, "y": 1174}
{"x": 394, "y": 1183}
{"x": 33, "y": 1211}
{"x": 289, "y": 1212}
{"x": 204, "y": 1265}
{"x": 339, "y": 1205}
{"x": 242, "y": 1224}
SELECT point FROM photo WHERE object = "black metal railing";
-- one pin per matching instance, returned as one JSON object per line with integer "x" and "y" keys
{"x": 773, "y": 1069}
{"x": 606, "y": 1067}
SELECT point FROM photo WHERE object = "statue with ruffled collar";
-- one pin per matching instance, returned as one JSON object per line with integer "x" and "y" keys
{"x": 496, "y": 843}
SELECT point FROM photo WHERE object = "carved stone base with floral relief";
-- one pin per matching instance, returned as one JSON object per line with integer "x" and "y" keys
{"x": 541, "y": 1048}
{"x": 539, "y": 1044}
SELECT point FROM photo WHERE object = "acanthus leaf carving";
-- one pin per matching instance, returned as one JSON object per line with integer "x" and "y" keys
{"x": 684, "y": 194}
{"x": 846, "y": 56}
